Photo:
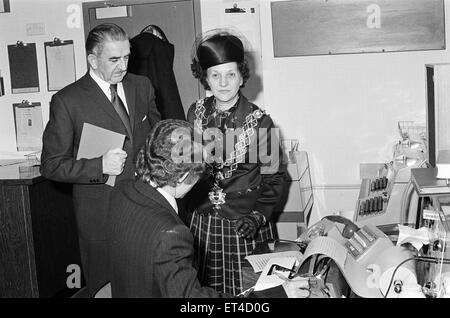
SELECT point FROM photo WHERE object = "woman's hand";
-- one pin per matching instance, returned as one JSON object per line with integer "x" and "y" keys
{"x": 248, "y": 225}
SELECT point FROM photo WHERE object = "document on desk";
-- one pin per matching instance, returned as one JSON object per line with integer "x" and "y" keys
{"x": 11, "y": 162}
{"x": 259, "y": 261}
{"x": 95, "y": 141}
{"x": 268, "y": 279}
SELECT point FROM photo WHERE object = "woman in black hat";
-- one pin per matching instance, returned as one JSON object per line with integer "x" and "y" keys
{"x": 230, "y": 210}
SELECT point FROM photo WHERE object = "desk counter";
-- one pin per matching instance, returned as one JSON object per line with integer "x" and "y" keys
{"x": 38, "y": 237}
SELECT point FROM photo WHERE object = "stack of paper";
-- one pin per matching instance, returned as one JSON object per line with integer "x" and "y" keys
{"x": 260, "y": 261}
{"x": 268, "y": 280}
{"x": 95, "y": 141}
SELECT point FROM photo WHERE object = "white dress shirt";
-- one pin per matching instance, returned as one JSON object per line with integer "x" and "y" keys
{"x": 104, "y": 86}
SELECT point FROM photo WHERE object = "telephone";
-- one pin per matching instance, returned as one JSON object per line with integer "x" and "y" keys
{"x": 329, "y": 226}
{"x": 365, "y": 256}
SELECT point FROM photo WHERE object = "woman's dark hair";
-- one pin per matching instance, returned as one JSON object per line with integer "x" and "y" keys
{"x": 168, "y": 153}
{"x": 201, "y": 74}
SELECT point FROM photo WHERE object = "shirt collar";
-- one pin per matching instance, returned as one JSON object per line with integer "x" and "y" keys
{"x": 104, "y": 86}
{"x": 169, "y": 198}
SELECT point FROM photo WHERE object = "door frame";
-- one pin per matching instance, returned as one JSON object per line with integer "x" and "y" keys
{"x": 116, "y": 3}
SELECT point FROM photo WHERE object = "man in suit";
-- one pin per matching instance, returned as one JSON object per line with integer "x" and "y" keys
{"x": 109, "y": 98}
{"x": 151, "y": 249}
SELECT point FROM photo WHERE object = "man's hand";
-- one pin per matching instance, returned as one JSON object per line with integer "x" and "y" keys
{"x": 114, "y": 161}
{"x": 297, "y": 287}
{"x": 248, "y": 225}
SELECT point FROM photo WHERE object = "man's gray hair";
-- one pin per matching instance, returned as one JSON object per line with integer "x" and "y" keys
{"x": 102, "y": 33}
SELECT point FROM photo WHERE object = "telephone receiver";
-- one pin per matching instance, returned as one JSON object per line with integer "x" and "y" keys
{"x": 349, "y": 229}
{"x": 327, "y": 224}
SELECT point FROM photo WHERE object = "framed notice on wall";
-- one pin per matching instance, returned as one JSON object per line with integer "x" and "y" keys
{"x": 316, "y": 27}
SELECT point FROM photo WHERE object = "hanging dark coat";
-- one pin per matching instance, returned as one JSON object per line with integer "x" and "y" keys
{"x": 153, "y": 57}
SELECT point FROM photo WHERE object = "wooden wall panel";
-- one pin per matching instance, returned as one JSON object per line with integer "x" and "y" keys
{"x": 317, "y": 27}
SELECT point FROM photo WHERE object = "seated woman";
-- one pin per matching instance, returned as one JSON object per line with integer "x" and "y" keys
{"x": 151, "y": 250}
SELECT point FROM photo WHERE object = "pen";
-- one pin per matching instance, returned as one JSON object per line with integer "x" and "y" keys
{"x": 304, "y": 288}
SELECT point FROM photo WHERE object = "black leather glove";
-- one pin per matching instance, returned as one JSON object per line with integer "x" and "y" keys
{"x": 248, "y": 225}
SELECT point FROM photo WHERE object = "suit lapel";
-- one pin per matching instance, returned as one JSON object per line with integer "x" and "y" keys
{"x": 130, "y": 95}
{"x": 99, "y": 98}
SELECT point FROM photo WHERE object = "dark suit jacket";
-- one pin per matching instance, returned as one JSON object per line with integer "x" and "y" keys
{"x": 84, "y": 102}
{"x": 153, "y": 57}
{"x": 151, "y": 250}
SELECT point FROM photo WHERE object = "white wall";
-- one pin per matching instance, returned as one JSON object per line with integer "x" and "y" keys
{"x": 344, "y": 109}
{"x": 55, "y": 14}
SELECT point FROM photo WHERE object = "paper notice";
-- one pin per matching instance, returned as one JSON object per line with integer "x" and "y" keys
{"x": 95, "y": 141}
{"x": 259, "y": 261}
{"x": 29, "y": 126}
{"x": 268, "y": 280}
{"x": 416, "y": 237}
{"x": 329, "y": 247}
{"x": 60, "y": 65}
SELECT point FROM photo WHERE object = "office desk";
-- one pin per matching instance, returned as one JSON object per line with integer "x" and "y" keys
{"x": 334, "y": 278}
{"x": 38, "y": 237}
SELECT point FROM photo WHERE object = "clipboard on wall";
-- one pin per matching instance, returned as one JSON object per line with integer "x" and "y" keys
{"x": 244, "y": 17}
{"x": 60, "y": 63}
{"x": 28, "y": 125}
{"x": 23, "y": 68}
